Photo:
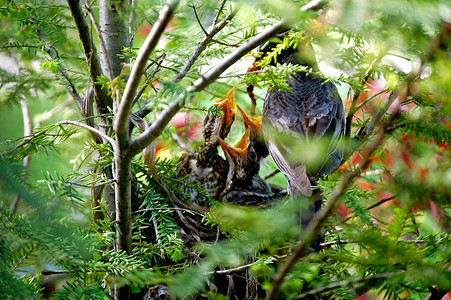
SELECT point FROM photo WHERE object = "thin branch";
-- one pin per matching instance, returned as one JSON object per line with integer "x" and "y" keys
{"x": 368, "y": 100}
{"x": 380, "y": 203}
{"x": 345, "y": 283}
{"x": 242, "y": 74}
{"x": 203, "y": 44}
{"x": 151, "y": 76}
{"x": 271, "y": 174}
{"x": 353, "y": 108}
{"x": 170, "y": 208}
{"x": 198, "y": 20}
{"x": 121, "y": 123}
{"x": 314, "y": 5}
{"x": 215, "y": 21}
{"x": 92, "y": 129}
{"x": 228, "y": 271}
{"x": 91, "y": 185}
{"x": 180, "y": 142}
{"x": 163, "y": 119}
{"x": 371, "y": 207}
{"x": 28, "y": 127}
{"x": 54, "y": 55}
{"x": 56, "y": 272}
{"x": 22, "y": 259}
{"x": 131, "y": 18}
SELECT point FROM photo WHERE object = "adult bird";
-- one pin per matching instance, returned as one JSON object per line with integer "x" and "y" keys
{"x": 303, "y": 126}
{"x": 205, "y": 167}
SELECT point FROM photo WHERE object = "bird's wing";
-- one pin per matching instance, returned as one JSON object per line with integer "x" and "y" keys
{"x": 296, "y": 175}
{"x": 284, "y": 124}
{"x": 323, "y": 117}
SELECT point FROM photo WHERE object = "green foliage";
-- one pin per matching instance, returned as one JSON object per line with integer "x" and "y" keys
{"x": 389, "y": 235}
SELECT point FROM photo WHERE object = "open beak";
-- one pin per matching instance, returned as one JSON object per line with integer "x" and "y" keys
{"x": 239, "y": 150}
{"x": 228, "y": 106}
{"x": 255, "y": 123}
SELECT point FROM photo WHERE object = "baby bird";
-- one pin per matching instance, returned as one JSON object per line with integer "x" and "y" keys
{"x": 205, "y": 167}
{"x": 243, "y": 185}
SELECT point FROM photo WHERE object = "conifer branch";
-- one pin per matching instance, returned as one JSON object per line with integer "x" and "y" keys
{"x": 313, "y": 227}
{"x": 344, "y": 283}
{"x": 54, "y": 55}
{"x": 163, "y": 119}
{"x": 315, "y": 224}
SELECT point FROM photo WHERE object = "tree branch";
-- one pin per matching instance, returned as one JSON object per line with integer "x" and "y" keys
{"x": 163, "y": 119}
{"x": 344, "y": 283}
{"x": 54, "y": 55}
{"x": 380, "y": 202}
{"x": 203, "y": 44}
{"x": 101, "y": 40}
{"x": 121, "y": 122}
{"x": 314, "y": 5}
{"x": 92, "y": 59}
{"x": 198, "y": 20}
{"x": 92, "y": 129}
{"x": 315, "y": 224}
{"x": 170, "y": 208}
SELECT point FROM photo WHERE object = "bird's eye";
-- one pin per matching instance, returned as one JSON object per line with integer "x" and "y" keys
{"x": 252, "y": 155}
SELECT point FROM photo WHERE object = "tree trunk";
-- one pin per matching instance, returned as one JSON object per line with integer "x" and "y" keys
{"x": 114, "y": 28}
{"x": 115, "y": 35}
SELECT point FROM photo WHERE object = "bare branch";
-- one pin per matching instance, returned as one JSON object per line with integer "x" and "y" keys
{"x": 121, "y": 122}
{"x": 146, "y": 84}
{"x": 180, "y": 142}
{"x": 237, "y": 269}
{"x": 198, "y": 20}
{"x": 203, "y": 44}
{"x": 131, "y": 18}
{"x": 271, "y": 174}
{"x": 92, "y": 129}
{"x": 163, "y": 119}
{"x": 55, "y": 272}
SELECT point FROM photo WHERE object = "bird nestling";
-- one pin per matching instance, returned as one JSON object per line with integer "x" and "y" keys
{"x": 243, "y": 185}
{"x": 205, "y": 167}
{"x": 256, "y": 134}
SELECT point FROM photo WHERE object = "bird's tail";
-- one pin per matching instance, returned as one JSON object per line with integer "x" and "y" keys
{"x": 308, "y": 212}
